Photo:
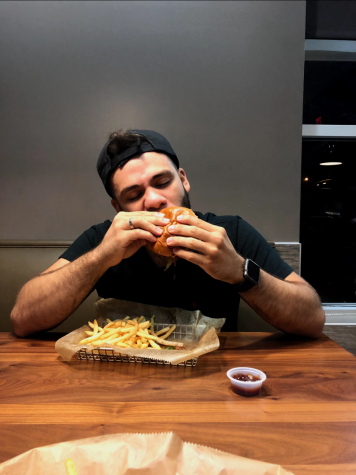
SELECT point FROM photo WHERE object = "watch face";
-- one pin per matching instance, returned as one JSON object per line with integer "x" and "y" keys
{"x": 253, "y": 271}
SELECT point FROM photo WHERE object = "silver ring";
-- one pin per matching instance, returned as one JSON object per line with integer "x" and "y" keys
{"x": 131, "y": 225}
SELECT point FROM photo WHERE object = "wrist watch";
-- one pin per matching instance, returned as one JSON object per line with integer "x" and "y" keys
{"x": 251, "y": 276}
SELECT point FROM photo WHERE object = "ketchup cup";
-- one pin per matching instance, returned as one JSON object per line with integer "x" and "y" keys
{"x": 246, "y": 388}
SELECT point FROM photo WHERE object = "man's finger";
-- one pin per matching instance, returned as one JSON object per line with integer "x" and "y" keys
{"x": 138, "y": 234}
{"x": 142, "y": 213}
{"x": 188, "y": 243}
{"x": 139, "y": 222}
{"x": 155, "y": 218}
{"x": 195, "y": 221}
{"x": 190, "y": 256}
{"x": 190, "y": 231}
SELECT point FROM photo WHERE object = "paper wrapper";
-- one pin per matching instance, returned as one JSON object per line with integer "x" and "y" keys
{"x": 203, "y": 339}
{"x": 128, "y": 454}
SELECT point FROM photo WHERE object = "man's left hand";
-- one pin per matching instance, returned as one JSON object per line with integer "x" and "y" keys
{"x": 207, "y": 246}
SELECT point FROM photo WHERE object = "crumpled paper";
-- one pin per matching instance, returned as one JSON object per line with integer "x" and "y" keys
{"x": 129, "y": 454}
{"x": 203, "y": 340}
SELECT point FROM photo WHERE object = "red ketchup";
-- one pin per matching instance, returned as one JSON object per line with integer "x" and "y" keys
{"x": 246, "y": 391}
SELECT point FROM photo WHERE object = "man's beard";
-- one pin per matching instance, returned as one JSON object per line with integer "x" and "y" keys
{"x": 185, "y": 201}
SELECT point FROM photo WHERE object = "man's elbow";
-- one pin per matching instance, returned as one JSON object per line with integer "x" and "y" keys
{"x": 316, "y": 331}
{"x": 18, "y": 328}
{"x": 311, "y": 327}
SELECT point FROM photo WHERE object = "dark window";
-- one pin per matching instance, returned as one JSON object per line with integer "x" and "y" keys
{"x": 331, "y": 20}
{"x": 328, "y": 219}
{"x": 329, "y": 92}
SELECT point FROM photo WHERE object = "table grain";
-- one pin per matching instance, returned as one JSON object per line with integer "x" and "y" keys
{"x": 304, "y": 418}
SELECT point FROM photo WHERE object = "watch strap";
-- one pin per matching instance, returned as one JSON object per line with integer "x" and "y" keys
{"x": 249, "y": 281}
{"x": 244, "y": 286}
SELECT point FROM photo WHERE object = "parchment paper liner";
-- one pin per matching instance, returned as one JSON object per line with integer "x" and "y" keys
{"x": 205, "y": 337}
{"x": 129, "y": 454}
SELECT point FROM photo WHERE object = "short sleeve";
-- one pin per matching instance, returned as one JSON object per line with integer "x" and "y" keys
{"x": 87, "y": 241}
{"x": 252, "y": 245}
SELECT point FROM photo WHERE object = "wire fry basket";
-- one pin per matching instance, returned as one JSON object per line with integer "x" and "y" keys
{"x": 182, "y": 332}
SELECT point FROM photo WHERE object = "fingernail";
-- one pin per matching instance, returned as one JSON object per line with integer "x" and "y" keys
{"x": 169, "y": 240}
{"x": 159, "y": 230}
{"x": 171, "y": 228}
{"x": 180, "y": 217}
{"x": 160, "y": 214}
{"x": 165, "y": 220}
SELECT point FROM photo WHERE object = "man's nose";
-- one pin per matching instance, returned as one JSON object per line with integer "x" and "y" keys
{"x": 154, "y": 201}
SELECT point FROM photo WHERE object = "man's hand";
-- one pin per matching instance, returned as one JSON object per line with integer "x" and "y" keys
{"x": 290, "y": 305}
{"x": 208, "y": 246}
{"x": 121, "y": 242}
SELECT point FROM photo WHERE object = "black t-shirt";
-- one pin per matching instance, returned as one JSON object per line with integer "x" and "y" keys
{"x": 186, "y": 285}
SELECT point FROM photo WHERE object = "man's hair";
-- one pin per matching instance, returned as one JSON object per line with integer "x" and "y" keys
{"x": 119, "y": 141}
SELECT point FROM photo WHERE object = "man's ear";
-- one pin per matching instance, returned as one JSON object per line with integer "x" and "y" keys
{"x": 115, "y": 205}
{"x": 184, "y": 179}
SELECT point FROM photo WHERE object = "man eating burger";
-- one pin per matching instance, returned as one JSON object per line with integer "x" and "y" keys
{"x": 216, "y": 259}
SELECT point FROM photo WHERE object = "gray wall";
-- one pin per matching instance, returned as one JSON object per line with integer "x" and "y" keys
{"x": 222, "y": 80}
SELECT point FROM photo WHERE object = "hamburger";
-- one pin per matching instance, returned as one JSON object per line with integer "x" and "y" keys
{"x": 160, "y": 247}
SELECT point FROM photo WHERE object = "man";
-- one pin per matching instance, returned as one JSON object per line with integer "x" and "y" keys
{"x": 221, "y": 257}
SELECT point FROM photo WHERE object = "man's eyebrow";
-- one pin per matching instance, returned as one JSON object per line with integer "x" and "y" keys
{"x": 158, "y": 175}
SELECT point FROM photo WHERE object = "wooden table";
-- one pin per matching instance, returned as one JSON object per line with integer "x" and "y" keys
{"x": 304, "y": 419}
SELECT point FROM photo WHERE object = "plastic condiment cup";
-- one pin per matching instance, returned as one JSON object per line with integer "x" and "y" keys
{"x": 246, "y": 388}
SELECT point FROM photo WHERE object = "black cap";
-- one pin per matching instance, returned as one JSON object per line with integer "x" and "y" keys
{"x": 155, "y": 143}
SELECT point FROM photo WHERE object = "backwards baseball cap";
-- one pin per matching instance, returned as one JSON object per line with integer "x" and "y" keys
{"x": 155, "y": 143}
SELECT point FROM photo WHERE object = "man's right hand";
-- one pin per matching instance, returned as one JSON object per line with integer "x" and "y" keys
{"x": 121, "y": 242}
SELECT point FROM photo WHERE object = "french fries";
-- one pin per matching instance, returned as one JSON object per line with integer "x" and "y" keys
{"x": 130, "y": 333}
{"x": 154, "y": 345}
{"x": 164, "y": 330}
{"x": 70, "y": 467}
{"x": 159, "y": 340}
{"x": 166, "y": 335}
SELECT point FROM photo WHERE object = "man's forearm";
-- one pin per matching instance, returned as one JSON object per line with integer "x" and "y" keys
{"x": 50, "y": 298}
{"x": 293, "y": 307}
